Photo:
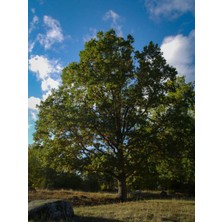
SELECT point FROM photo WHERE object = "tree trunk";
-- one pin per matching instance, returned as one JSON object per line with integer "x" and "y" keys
{"x": 122, "y": 189}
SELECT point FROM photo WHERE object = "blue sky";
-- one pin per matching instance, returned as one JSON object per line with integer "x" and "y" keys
{"x": 57, "y": 31}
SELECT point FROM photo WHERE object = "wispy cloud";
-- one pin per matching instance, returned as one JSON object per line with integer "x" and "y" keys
{"x": 115, "y": 18}
{"x": 31, "y": 45}
{"x": 41, "y": 2}
{"x": 169, "y": 9}
{"x": 51, "y": 35}
{"x": 34, "y": 115}
{"x": 32, "y": 26}
{"x": 91, "y": 35}
{"x": 33, "y": 23}
{"x": 111, "y": 15}
{"x": 54, "y": 33}
{"x": 179, "y": 52}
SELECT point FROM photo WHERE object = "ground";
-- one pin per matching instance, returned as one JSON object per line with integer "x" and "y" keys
{"x": 102, "y": 207}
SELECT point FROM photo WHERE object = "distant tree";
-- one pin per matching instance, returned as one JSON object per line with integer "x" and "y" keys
{"x": 67, "y": 181}
{"x": 41, "y": 175}
{"x": 102, "y": 117}
{"x": 35, "y": 169}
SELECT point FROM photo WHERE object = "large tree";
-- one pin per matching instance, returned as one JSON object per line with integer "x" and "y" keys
{"x": 99, "y": 118}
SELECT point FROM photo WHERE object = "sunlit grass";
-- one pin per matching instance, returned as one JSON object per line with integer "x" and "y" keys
{"x": 141, "y": 211}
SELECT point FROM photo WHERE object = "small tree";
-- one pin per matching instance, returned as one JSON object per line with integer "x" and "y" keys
{"x": 98, "y": 119}
{"x": 35, "y": 169}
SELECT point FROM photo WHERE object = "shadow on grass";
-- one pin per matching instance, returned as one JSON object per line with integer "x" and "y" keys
{"x": 146, "y": 195}
{"x": 93, "y": 219}
{"x": 80, "y": 219}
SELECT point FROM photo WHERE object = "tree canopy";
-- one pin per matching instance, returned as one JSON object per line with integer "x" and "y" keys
{"x": 118, "y": 111}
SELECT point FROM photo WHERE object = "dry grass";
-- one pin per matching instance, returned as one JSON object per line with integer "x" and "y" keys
{"x": 140, "y": 211}
{"x": 77, "y": 198}
{"x": 105, "y": 207}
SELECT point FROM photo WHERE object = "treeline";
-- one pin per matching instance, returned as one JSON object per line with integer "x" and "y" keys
{"x": 43, "y": 177}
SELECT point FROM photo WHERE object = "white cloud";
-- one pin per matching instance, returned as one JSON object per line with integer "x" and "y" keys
{"x": 49, "y": 83}
{"x": 170, "y": 9}
{"x": 53, "y": 34}
{"x": 32, "y": 102}
{"x": 43, "y": 67}
{"x": 179, "y": 52}
{"x": 47, "y": 71}
{"x": 115, "y": 18}
{"x": 46, "y": 95}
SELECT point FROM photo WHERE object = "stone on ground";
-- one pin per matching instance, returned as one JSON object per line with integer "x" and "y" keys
{"x": 50, "y": 210}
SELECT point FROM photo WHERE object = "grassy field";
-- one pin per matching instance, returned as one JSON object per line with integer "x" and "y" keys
{"x": 105, "y": 207}
{"x": 77, "y": 198}
{"x": 139, "y": 211}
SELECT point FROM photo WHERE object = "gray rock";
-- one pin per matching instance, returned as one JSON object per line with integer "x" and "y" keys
{"x": 50, "y": 210}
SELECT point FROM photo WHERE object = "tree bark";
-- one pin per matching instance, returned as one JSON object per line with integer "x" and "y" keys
{"x": 122, "y": 189}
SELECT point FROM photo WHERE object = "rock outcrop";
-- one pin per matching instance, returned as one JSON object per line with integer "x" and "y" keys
{"x": 50, "y": 210}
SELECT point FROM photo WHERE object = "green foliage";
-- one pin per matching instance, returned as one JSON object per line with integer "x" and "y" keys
{"x": 118, "y": 112}
{"x": 90, "y": 182}
{"x": 35, "y": 169}
{"x": 40, "y": 175}
{"x": 176, "y": 136}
